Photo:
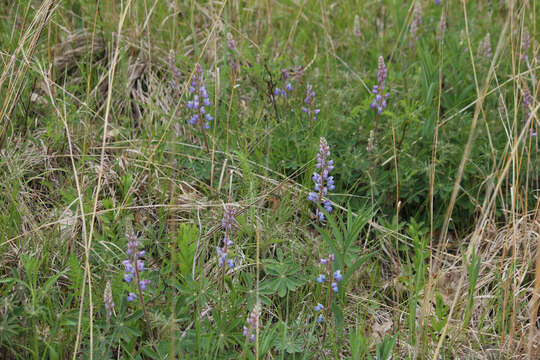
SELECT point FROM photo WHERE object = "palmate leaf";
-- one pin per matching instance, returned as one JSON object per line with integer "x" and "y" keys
{"x": 283, "y": 277}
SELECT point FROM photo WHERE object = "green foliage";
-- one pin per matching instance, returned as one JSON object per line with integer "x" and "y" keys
{"x": 283, "y": 276}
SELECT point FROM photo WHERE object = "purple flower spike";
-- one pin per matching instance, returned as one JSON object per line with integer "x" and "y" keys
{"x": 526, "y": 103}
{"x": 309, "y": 100}
{"x": 199, "y": 101}
{"x": 322, "y": 181}
{"x": 252, "y": 323}
{"x": 133, "y": 266}
{"x": 415, "y": 25}
{"x": 226, "y": 222}
{"x": 378, "y": 90}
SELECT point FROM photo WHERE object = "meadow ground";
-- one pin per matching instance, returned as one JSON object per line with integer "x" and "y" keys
{"x": 269, "y": 179}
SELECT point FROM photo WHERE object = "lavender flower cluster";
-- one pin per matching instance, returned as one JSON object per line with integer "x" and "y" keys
{"x": 333, "y": 277}
{"x": 309, "y": 109}
{"x": 380, "y": 96}
{"x": 525, "y": 46}
{"x": 108, "y": 301}
{"x": 222, "y": 252}
{"x": 322, "y": 181}
{"x": 484, "y": 48}
{"x": 287, "y": 87}
{"x": 174, "y": 70}
{"x": 252, "y": 320}
{"x": 133, "y": 266}
{"x": 233, "y": 62}
{"x": 415, "y": 24}
{"x": 199, "y": 101}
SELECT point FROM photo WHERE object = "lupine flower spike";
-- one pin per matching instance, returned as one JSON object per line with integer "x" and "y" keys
{"x": 309, "y": 109}
{"x": 232, "y": 61}
{"x": 356, "y": 27}
{"x": 525, "y": 45}
{"x": 200, "y": 116}
{"x": 323, "y": 182}
{"x": 287, "y": 87}
{"x": 174, "y": 70}
{"x": 334, "y": 278}
{"x": 223, "y": 252}
{"x": 133, "y": 268}
{"x": 108, "y": 301}
{"x": 484, "y": 48}
{"x": 441, "y": 28}
{"x": 415, "y": 25}
{"x": 252, "y": 323}
{"x": 378, "y": 90}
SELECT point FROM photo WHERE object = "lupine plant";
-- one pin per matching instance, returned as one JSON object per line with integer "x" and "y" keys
{"x": 525, "y": 45}
{"x": 233, "y": 61}
{"x": 415, "y": 25}
{"x": 327, "y": 275}
{"x": 484, "y": 48}
{"x": 323, "y": 182}
{"x": 223, "y": 252}
{"x": 309, "y": 108}
{"x": 379, "y": 102}
{"x": 378, "y": 89}
{"x": 175, "y": 71}
{"x": 200, "y": 116}
{"x": 133, "y": 267}
{"x": 287, "y": 87}
{"x": 252, "y": 320}
{"x": 441, "y": 27}
{"x": 108, "y": 301}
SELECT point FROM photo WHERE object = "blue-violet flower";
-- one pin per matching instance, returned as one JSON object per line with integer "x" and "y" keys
{"x": 380, "y": 96}
{"x": 322, "y": 181}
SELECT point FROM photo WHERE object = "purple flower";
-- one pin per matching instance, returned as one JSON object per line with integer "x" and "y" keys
{"x": 143, "y": 284}
{"x": 131, "y": 297}
{"x": 252, "y": 323}
{"x": 320, "y": 318}
{"x": 322, "y": 181}
{"x": 526, "y": 103}
{"x": 175, "y": 71}
{"x": 309, "y": 100}
{"x": 525, "y": 45}
{"x": 319, "y": 307}
{"x": 484, "y": 48}
{"x": 337, "y": 276}
{"x": 226, "y": 222}
{"x": 415, "y": 24}
{"x": 334, "y": 286}
{"x": 380, "y": 96}
{"x": 134, "y": 266}
{"x": 321, "y": 278}
{"x": 108, "y": 300}
{"x": 441, "y": 28}
{"x": 287, "y": 86}
{"x": 199, "y": 101}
